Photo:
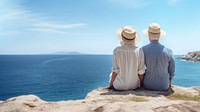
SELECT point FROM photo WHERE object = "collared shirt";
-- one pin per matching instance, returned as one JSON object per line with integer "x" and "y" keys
{"x": 160, "y": 64}
{"x": 128, "y": 62}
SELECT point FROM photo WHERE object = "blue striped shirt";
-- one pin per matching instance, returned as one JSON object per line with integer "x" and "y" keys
{"x": 160, "y": 65}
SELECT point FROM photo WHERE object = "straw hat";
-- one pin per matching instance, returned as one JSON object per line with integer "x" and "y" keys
{"x": 128, "y": 34}
{"x": 154, "y": 32}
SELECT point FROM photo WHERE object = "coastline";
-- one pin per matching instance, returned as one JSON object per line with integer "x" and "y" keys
{"x": 109, "y": 101}
{"x": 186, "y": 60}
{"x": 191, "y": 56}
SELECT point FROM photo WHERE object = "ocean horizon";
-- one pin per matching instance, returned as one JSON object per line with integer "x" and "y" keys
{"x": 69, "y": 77}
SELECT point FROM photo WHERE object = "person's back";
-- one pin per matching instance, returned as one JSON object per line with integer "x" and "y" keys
{"x": 159, "y": 60}
{"x": 127, "y": 59}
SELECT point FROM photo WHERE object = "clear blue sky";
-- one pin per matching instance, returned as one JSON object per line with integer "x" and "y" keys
{"x": 88, "y": 26}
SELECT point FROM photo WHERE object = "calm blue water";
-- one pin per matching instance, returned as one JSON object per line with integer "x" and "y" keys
{"x": 68, "y": 77}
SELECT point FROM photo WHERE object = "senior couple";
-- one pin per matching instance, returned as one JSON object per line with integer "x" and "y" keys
{"x": 151, "y": 66}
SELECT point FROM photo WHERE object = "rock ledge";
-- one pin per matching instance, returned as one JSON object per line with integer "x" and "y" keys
{"x": 108, "y": 101}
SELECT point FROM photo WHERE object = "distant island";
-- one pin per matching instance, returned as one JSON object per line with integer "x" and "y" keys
{"x": 191, "y": 56}
{"x": 67, "y": 53}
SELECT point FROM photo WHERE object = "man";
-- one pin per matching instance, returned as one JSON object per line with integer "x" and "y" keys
{"x": 128, "y": 61}
{"x": 159, "y": 60}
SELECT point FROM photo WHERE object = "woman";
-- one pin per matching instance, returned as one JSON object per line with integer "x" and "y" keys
{"x": 128, "y": 61}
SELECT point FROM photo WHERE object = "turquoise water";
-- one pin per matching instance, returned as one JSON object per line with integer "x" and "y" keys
{"x": 187, "y": 73}
{"x": 68, "y": 77}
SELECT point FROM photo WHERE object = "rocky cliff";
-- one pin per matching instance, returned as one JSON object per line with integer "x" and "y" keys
{"x": 182, "y": 100}
{"x": 191, "y": 56}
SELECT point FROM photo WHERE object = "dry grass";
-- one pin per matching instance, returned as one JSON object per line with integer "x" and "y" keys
{"x": 184, "y": 97}
{"x": 138, "y": 99}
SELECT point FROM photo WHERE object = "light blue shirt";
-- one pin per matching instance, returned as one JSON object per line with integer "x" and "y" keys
{"x": 160, "y": 64}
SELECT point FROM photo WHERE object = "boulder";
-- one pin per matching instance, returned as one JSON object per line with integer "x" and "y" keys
{"x": 191, "y": 56}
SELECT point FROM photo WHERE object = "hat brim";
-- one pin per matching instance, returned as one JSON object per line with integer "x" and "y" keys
{"x": 154, "y": 36}
{"x": 135, "y": 41}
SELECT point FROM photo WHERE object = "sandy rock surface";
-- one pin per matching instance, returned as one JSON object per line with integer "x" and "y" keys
{"x": 108, "y": 101}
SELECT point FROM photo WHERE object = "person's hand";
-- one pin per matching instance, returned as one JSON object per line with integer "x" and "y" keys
{"x": 105, "y": 88}
{"x": 142, "y": 85}
{"x": 170, "y": 90}
{"x": 109, "y": 87}
{"x": 166, "y": 93}
{"x": 170, "y": 85}
{"x": 102, "y": 88}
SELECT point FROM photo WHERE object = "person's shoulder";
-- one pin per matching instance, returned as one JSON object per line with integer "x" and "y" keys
{"x": 139, "y": 50}
{"x": 167, "y": 49}
{"x": 118, "y": 48}
{"x": 145, "y": 46}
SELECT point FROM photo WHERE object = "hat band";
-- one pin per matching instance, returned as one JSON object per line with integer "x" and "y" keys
{"x": 154, "y": 32}
{"x": 126, "y": 38}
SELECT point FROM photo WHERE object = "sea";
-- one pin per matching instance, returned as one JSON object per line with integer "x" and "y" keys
{"x": 69, "y": 77}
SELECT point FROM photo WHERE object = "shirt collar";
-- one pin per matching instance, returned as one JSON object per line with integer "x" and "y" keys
{"x": 154, "y": 42}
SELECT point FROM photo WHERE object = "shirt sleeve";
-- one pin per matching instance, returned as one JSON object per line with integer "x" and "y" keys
{"x": 141, "y": 67}
{"x": 115, "y": 67}
{"x": 171, "y": 68}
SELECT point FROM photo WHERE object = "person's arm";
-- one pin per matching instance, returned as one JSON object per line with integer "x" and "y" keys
{"x": 142, "y": 67}
{"x": 141, "y": 76}
{"x": 113, "y": 76}
{"x": 170, "y": 81}
{"x": 115, "y": 71}
{"x": 171, "y": 70}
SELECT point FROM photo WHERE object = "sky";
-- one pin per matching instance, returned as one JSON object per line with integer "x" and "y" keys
{"x": 89, "y": 26}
